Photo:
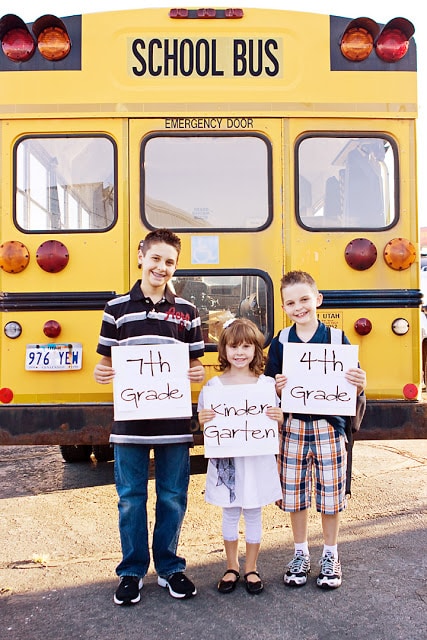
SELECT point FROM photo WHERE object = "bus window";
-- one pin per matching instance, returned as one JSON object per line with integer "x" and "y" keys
{"x": 205, "y": 181}
{"x": 222, "y": 297}
{"x": 64, "y": 183}
{"x": 346, "y": 183}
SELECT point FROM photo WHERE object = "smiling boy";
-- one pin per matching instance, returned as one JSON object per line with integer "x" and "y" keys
{"x": 310, "y": 443}
{"x": 150, "y": 313}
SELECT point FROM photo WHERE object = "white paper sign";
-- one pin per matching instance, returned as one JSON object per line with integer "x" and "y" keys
{"x": 151, "y": 382}
{"x": 240, "y": 426}
{"x": 316, "y": 382}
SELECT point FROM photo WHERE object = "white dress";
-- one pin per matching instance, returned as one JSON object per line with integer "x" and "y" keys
{"x": 257, "y": 480}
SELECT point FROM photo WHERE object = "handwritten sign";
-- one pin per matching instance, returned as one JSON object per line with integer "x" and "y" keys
{"x": 151, "y": 382}
{"x": 240, "y": 426}
{"x": 316, "y": 382}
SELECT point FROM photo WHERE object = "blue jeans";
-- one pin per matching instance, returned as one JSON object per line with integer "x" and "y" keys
{"x": 131, "y": 466}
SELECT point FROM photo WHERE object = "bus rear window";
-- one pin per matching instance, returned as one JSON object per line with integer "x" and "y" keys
{"x": 346, "y": 182}
{"x": 220, "y": 297}
{"x": 64, "y": 183}
{"x": 206, "y": 182}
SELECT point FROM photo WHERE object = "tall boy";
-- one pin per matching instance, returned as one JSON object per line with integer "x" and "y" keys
{"x": 151, "y": 314}
{"x": 310, "y": 442}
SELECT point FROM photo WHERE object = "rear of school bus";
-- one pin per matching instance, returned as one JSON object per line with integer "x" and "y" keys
{"x": 250, "y": 134}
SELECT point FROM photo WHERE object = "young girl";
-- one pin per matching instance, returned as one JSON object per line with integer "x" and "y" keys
{"x": 243, "y": 483}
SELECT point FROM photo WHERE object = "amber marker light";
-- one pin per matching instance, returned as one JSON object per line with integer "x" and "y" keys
{"x": 399, "y": 254}
{"x": 358, "y": 39}
{"x": 14, "y": 256}
{"x": 53, "y": 41}
{"x": 52, "y": 329}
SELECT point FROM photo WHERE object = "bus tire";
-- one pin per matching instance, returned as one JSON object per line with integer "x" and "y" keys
{"x": 103, "y": 452}
{"x": 76, "y": 452}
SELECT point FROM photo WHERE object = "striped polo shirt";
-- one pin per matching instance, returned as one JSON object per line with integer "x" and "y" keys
{"x": 134, "y": 319}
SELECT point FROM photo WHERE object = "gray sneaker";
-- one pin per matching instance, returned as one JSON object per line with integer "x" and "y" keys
{"x": 298, "y": 570}
{"x": 330, "y": 576}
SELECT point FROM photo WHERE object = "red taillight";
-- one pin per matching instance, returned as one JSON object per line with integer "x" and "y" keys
{"x": 410, "y": 391}
{"x": 16, "y": 41}
{"x": 206, "y": 13}
{"x": 393, "y": 42}
{"x": 53, "y": 41}
{"x": 363, "y": 326}
{"x": 178, "y": 13}
{"x": 6, "y": 395}
{"x": 233, "y": 13}
{"x": 52, "y": 329}
{"x": 52, "y": 256}
{"x": 360, "y": 254}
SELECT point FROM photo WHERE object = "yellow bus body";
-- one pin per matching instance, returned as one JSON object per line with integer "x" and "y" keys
{"x": 267, "y": 74}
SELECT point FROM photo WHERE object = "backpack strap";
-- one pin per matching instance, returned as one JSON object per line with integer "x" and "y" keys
{"x": 336, "y": 336}
{"x": 284, "y": 335}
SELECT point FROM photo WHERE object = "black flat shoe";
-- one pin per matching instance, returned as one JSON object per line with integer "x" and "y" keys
{"x": 253, "y": 587}
{"x": 227, "y": 586}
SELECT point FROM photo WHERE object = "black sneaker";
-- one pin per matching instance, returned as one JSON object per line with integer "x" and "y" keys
{"x": 330, "y": 576}
{"x": 178, "y": 584}
{"x": 297, "y": 570}
{"x": 128, "y": 591}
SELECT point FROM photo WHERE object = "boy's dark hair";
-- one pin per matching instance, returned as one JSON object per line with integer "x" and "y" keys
{"x": 298, "y": 277}
{"x": 240, "y": 331}
{"x": 160, "y": 235}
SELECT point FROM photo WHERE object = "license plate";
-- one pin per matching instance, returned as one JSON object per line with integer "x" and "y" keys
{"x": 53, "y": 357}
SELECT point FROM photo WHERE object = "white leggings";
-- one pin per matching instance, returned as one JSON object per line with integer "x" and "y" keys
{"x": 253, "y": 524}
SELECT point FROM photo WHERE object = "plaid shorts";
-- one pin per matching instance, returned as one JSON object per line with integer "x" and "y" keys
{"x": 304, "y": 445}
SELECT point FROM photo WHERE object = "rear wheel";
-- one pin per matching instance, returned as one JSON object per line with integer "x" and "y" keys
{"x": 76, "y": 452}
{"x": 103, "y": 452}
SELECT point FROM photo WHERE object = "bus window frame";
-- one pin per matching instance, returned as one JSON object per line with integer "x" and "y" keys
{"x": 210, "y": 134}
{"x": 37, "y": 136}
{"x": 348, "y": 134}
{"x": 269, "y": 290}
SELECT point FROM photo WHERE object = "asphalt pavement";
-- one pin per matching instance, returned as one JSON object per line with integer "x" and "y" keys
{"x": 60, "y": 547}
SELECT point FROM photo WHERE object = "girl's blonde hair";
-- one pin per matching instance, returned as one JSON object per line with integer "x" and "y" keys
{"x": 240, "y": 331}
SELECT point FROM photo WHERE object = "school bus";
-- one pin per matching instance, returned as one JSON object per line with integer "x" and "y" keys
{"x": 268, "y": 140}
